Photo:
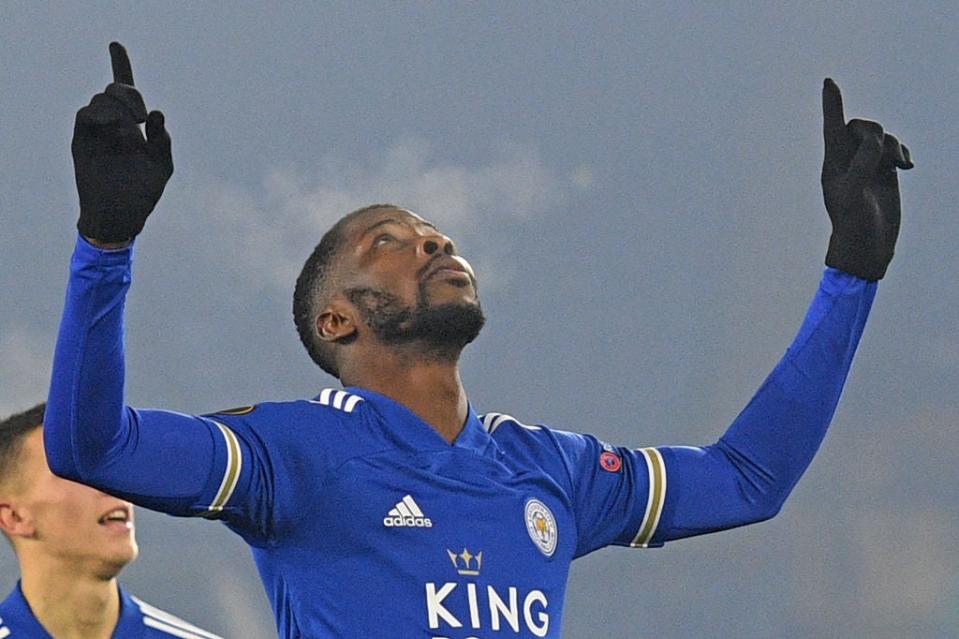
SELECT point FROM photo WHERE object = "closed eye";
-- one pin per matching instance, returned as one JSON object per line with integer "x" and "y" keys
{"x": 382, "y": 238}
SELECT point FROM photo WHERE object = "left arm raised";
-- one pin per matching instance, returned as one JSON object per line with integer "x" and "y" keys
{"x": 746, "y": 476}
{"x": 669, "y": 493}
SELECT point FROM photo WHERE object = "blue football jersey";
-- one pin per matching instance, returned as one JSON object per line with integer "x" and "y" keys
{"x": 138, "y": 620}
{"x": 364, "y": 522}
{"x": 369, "y": 520}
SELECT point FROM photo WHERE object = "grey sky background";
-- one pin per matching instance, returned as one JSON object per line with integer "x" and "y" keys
{"x": 638, "y": 187}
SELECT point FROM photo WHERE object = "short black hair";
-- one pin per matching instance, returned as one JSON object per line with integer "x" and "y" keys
{"x": 312, "y": 291}
{"x": 13, "y": 430}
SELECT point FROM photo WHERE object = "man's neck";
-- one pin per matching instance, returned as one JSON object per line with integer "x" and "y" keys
{"x": 68, "y": 600}
{"x": 431, "y": 389}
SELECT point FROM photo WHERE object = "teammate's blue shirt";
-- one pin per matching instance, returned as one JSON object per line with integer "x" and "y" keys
{"x": 363, "y": 521}
{"x": 138, "y": 620}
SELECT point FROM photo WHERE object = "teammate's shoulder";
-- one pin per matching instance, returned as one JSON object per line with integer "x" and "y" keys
{"x": 161, "y": 624}
{"x": 330, "y": 401}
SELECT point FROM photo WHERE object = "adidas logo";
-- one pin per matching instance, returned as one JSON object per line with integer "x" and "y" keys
{"x": 406, "y": 514}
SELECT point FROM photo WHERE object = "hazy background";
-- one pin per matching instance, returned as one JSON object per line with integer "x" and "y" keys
{"x": 638, "y": 187}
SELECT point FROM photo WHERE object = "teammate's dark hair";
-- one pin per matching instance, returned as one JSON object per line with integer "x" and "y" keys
{"x": 312, "y": 292}
{"x": 12, "y": 432}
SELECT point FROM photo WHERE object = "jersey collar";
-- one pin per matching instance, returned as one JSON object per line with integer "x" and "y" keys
{"x": 18, "y": 614}
{"x": 131, "y": 617}
{"x": 421, "y": 435}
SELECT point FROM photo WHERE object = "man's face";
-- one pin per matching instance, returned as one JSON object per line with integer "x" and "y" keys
{"x": 71, "y": 521}
{"x": 408, "y": 282}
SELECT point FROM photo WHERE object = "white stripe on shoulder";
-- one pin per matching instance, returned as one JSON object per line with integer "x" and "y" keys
{"x": 171, "y": 624}
{"x": 325, "y": 396}
{"x": 338, "y": 399}
{"x": 351, "y": 403}
{"x": 231, "y": 474}
{"x": 492, "y": 421}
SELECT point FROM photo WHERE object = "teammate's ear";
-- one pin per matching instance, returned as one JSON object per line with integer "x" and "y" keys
{"x": 335, "y": 323}
{"x": 14, "y": 523}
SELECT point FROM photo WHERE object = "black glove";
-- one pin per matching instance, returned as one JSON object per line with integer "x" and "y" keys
{"x": 120, "y": 175}
{"x": 861, "y": 189}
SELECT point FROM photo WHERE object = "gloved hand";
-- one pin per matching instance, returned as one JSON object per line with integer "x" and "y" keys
{"x": 120, "y": 175}
{"x": 860, "y": 188}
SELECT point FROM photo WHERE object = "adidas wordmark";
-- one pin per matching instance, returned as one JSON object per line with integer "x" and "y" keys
{"x": 406, "y": 514}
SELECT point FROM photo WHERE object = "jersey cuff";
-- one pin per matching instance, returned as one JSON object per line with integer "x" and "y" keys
{"x": 103, "y": 257}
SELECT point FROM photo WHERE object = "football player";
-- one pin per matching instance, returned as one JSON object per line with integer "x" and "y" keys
{"x": 393, "y": 507}
{"x": 71, "y": 542}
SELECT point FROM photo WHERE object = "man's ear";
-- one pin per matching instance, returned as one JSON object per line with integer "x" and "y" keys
{"x": 14, "y": 521}
{"x": 336, "y": 322}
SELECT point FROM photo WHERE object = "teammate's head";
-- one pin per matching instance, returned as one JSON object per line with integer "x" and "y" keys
{"x": 46, "y": 516}
{"x": 383, "y": 273}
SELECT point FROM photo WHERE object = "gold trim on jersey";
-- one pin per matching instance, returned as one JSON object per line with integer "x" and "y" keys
{"x": 655, "y": 498}
{"x": 240, "y": 410}
{"x": 234, "y": 462}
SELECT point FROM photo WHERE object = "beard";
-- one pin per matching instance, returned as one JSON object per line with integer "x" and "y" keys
{"x": 443, "y": 330}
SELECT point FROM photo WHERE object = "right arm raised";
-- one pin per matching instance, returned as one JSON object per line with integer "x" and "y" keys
{"x": 180, "y": 464}
{"x": 162, "y": 460}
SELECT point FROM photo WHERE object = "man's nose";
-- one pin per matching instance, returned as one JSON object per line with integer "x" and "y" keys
{"x": 435, "y": 244}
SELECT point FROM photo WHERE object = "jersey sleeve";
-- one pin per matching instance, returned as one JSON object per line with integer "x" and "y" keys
{"x": 649, "y": 496}
{"x": 616, "y": 493}
{"x": 179, "y": 464}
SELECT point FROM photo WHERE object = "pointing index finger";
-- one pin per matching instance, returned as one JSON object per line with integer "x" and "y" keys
{"x": 122, "y": 71}
{"x": 833, "y": 119}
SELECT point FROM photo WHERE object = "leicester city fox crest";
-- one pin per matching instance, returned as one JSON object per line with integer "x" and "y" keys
{"x": 541, "y": 525}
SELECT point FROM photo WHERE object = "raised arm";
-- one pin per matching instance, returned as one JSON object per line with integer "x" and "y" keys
{"x": 652, "y": 495}
{"x": 746, "y": 476}
{"x": 749, "y": 473}
{"x": 648, "y": 496}
{"x": 167, "y": 461}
